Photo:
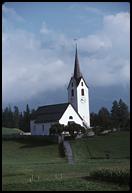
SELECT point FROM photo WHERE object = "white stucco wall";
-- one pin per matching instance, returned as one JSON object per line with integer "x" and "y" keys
{"x": 31, "y": 126}
{"x": 37, "y": 128}
{"x": 83, "y": 107}
{"x": 70, "y": 112}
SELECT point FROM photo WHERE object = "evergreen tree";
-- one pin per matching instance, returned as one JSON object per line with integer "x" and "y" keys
{"x": 26, "y": 119}
{"x": 120, "y": 115}
{"x": 123, "y": 114}
{"x": 21, "y": 124}
{"x": 115, "y": 114}
{"x": 9, "y": 117}
{"x": 94, "y": 119}
{"x": 104, "y": 118}
{"x": 16, "y": 117}
{"x": 5, "y": 117}
{"x": 128, "y": 123}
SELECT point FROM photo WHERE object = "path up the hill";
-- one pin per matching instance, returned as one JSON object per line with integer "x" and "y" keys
{"x": 68, "y": 152}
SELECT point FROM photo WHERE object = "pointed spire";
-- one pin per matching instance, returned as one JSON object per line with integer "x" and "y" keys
{"x": 77, "y": 73}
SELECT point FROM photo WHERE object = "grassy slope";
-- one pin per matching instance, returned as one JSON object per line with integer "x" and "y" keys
{"x": 30, "y": 150}
{"x": 24, "y": 159}
{"x": 117, "y": 145}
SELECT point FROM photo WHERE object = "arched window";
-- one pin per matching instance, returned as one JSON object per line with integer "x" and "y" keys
{"x": 70, "y": 117}
{"x": 82, "y": 83}
{"x": 72, "y": 84}
{"x": 72, "y": 92}
{"x": 82, "y": 92}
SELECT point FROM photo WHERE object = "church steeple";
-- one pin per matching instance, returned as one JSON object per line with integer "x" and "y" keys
{"x": 78, "y": 93}
{"x": 77, "y": 72}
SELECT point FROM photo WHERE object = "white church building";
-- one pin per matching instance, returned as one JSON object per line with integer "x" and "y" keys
{"x": 76, "y": 110}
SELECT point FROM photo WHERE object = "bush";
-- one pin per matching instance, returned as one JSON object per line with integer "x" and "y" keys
{"x": 98, "y": 130}
{"x": 112, "y": 175}
{"x": 74, "y": 129}
{"x": 56, "y": 129}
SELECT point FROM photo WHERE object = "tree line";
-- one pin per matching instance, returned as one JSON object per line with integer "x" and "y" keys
{"x": 118, "y": 117}
{"x": 16, "y": 119}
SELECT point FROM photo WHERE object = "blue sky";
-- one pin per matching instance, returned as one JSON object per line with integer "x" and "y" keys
{"x": 38, "y": 51}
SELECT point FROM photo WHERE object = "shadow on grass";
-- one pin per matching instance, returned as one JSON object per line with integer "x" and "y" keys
{"x": 90, "y": 178}
{"x": 35, "y": 141}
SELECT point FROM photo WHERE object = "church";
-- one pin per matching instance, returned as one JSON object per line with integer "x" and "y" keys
{"x": 76, "y": 110}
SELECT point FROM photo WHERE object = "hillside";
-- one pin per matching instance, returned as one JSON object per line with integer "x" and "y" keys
{"x": 34, "y": 163}
{"x": 10, "y": 131}
{"x": 114, "y": 145}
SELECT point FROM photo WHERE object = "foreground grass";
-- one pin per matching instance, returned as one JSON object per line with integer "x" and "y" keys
{"x": 35, "y": 164}
{"x": 59, "y": 176}
{"x": 75, "y": 184}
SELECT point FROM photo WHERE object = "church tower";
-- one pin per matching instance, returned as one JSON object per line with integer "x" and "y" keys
{"x": 78, "y": 93}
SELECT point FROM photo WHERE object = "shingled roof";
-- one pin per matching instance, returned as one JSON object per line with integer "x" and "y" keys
{"x": 49, "y": 113}
{"x": 77, "y": 72}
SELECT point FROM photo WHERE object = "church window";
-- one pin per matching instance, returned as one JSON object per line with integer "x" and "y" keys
{"x": 82, "y": 92}
{"x": 70, "y": 117}
{"x": 72, "y": 84}
{"x": 72, "y": 92}
{"x": 82, "y": 83}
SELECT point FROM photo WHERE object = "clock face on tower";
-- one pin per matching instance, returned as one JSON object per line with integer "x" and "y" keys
{"x": 83, "y": 100}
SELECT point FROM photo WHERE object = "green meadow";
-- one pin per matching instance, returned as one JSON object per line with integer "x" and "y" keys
{"x": 34, "y": 163}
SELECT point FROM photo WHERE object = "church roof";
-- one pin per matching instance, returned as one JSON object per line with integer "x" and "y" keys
{"x": 77, "y": 72}
{"x": 78, "y": 81}
{"x": 49, "y": 113}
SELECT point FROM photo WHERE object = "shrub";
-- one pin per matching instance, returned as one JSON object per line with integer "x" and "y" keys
{"x": 56, "y": 129}
{"x": 74, "y": 129}
{"x": 98, "y": 130}
{"x": 112, "y": 175}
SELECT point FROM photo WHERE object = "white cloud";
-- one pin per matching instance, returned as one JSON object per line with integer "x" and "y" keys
{"x": 34, "y": 63}
{"x": 44, "y": 29}
{"x": 30, "y": 68}
{"x": 120, "y": 20}
{"x": 93, "y": 43}
{"x": 109, "y": 60}
{"x": 11, "y": 14}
